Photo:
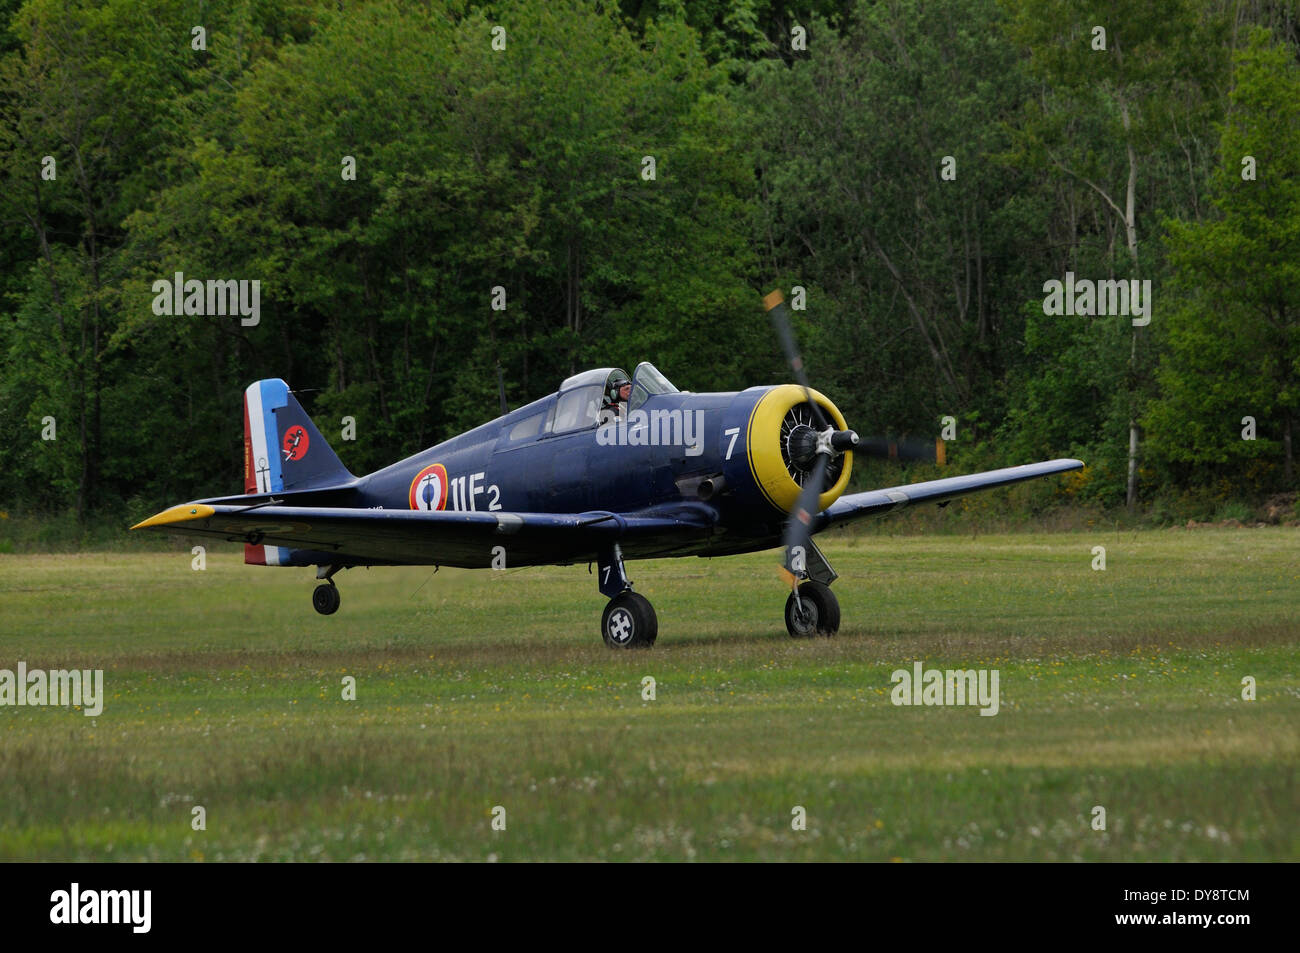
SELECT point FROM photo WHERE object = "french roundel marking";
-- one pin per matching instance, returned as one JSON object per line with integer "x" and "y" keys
{"x": 429, "y": 488}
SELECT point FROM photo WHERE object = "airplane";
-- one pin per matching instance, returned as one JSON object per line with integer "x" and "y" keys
{"x": 610, "y": 468}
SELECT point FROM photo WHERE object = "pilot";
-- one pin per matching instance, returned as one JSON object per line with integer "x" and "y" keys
{"x": 617, "y": 393}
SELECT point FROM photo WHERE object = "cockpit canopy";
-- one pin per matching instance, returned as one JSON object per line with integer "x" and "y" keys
{"x": 583, "y": 396}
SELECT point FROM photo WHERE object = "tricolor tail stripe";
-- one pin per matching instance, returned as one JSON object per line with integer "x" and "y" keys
{"x": 262, "y": 469}
{"x": 262, "y": 472}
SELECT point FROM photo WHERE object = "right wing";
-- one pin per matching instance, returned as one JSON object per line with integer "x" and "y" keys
{"x": 876, "y": 502}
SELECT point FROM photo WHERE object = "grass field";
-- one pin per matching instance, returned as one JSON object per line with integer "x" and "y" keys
{"x": 1120, "y": 688}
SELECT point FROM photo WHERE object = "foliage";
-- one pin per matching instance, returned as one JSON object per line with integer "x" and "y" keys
{"x": 1234, "y": 338}
{"x": 523, "y": 168}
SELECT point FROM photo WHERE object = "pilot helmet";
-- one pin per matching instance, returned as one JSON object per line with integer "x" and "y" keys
{"x": 613, "y": 388}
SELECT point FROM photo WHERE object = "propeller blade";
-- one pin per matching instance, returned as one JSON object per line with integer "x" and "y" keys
{"x": 907, "y": 449}
{"x": 798, "y": 527}
{"x": 774, "y": 304}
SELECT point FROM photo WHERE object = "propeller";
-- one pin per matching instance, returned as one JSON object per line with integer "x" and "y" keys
{"x": 906, "y": 449}
{"x": 819, "y": 445}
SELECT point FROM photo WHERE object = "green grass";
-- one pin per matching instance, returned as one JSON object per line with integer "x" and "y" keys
{"x": 1119, "y": 688}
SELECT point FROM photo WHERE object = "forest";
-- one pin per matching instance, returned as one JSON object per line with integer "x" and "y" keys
{"x": 1071, "y": 227}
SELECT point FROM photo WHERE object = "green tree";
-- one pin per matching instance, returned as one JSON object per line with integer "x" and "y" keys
{"x": 478, "y": 165}
{"x": 109, "y": 92}
{"x": 1122, "y": 89}
{"x": 1234, "y": 338}
{"x": 882, "y": 193}
{"x": 94, "y": 91}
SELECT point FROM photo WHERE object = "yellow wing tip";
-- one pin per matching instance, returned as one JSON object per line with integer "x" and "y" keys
{"x": 177, "y": 514}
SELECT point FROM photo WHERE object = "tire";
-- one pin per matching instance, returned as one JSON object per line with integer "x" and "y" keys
{"x": 629, "y": 622}
{"x": 821, "y": 612}
{"x": 325, "y": 598}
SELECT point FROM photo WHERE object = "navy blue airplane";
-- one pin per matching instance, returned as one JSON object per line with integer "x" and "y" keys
{"x": 611, "y": 467}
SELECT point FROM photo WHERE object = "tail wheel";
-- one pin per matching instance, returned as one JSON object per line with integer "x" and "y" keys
{"x": 325, "y": 598}
{"x": 629, "y": 622}
{"x": 816, "y": 612}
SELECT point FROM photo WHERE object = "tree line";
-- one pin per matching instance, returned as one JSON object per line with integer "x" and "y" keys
{"x": 435, "y": 196}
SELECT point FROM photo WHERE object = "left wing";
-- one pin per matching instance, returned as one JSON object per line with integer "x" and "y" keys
{"x": 358, "y": 537}
{"x": 877, "y": 502}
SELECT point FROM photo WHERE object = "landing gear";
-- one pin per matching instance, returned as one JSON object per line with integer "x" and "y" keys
{"x": 325, "y": 598}
{"x": 815, "y": 611}
{"x": 629, "y": 622}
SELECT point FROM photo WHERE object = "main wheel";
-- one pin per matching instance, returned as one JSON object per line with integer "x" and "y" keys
{"x": 820, "y": 613}
{"x": 325, "y": 598}
{"x": 629, "y": 622}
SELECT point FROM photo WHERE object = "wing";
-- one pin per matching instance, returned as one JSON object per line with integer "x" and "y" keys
{"x": 876, "y": 502}
{"x": 360, "y": 537}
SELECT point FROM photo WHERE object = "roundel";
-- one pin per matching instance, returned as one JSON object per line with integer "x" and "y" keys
{"x": 296, "y": 442}
{"x": 429, "y": 488}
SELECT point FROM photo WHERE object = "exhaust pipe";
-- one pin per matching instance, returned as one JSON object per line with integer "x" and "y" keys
{"x": 710, "y": 487}
{"x": 702, "y": 488}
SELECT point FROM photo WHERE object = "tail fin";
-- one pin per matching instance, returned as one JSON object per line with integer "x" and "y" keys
{"x": 283, "y": 451}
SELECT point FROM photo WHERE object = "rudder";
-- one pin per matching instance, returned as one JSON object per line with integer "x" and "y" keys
{"x": 283, "y": 451}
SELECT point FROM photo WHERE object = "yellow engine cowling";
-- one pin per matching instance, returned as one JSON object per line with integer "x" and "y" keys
{"x": 763, "y": 439}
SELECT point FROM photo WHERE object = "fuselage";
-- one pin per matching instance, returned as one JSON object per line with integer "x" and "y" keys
{"x": 714, "y": 453}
